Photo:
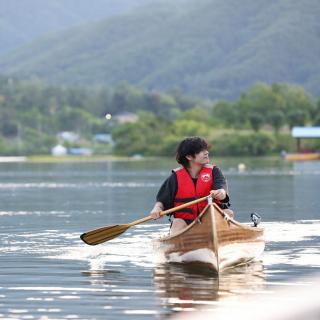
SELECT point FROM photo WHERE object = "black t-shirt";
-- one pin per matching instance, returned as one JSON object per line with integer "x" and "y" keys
{"x": 169, "y": 188}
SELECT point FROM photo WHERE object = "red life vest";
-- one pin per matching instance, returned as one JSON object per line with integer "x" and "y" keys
{"x": 187, "y": 191}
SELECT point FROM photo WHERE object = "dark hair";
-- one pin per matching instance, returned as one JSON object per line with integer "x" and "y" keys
{"x": 190, "y": 146}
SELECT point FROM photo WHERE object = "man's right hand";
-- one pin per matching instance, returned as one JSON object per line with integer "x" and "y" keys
{"x": 155, "y": 212}
{"x": 155, "y": 215}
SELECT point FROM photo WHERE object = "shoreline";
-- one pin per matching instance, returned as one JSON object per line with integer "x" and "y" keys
{"x": 102, "y": 158}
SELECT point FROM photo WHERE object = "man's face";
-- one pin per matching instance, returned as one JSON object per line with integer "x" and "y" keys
{"x": 200, "y": 158}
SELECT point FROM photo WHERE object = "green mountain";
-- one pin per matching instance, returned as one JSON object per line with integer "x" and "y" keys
{"x": 207, "y": 48}
{"x": 24, "y": 21}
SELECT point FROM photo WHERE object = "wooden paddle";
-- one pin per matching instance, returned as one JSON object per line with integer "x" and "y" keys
{"x": 107, "y": 233}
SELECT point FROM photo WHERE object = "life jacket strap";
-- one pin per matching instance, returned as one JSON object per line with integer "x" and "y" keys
{"x": 185, "y": 200}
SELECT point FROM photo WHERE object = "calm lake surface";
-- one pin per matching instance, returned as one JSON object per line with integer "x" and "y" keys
{"x": 47, "y": 272}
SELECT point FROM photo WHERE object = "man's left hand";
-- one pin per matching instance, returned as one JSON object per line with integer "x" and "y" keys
{"x": 218, "y": 194}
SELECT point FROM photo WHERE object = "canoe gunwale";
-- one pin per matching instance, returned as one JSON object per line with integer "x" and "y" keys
{"x": 218, "y": 209}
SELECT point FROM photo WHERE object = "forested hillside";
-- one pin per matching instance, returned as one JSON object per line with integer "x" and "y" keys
{"x": 24, "y": 21}
{"x": 208, "y": 48}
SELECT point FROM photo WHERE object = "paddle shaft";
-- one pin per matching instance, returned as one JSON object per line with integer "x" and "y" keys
{"x": 107, "y": 233}
{"x": 163, "y": 213}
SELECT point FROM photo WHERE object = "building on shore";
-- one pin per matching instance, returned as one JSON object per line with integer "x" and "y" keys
{"x": 303, "y": 154}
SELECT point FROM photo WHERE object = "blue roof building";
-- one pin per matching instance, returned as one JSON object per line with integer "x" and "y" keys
{"x": 305, "y": 133}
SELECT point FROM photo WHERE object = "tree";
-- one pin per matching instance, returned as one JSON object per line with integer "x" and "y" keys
{"x": 129, "y": 139}
{"x": 184, "y": 128}
{"x": 198, "y": 113}
{"x": 316, "y": 119}
{"x": 297, "y": 117}
{"x": 143, "y": 137}
{"x": 300, "y": 107}
{"x": 73, "y": 119}
{"x": 276, "y": 119}
{"x": 225, "y": 113}
{"x": 256, "y": 120}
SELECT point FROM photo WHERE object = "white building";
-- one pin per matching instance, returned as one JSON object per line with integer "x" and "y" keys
{"x": 59, "y": 150}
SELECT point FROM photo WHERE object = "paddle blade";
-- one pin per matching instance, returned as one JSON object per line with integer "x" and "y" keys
{"x": 103, "y": 234}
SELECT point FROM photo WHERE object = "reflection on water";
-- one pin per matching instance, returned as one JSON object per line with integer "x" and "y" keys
{"x": 306, "y": 167}
{"x": 186, "y": 287}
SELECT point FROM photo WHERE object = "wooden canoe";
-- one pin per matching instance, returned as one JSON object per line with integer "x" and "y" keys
{"x": 213, "y": 239}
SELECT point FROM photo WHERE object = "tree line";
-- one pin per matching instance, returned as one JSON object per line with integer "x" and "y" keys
{"x": 258, "y": 123}
{"x": 32, "y": 113}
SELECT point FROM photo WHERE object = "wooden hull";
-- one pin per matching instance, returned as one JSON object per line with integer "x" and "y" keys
{"x": 214, "y": 240}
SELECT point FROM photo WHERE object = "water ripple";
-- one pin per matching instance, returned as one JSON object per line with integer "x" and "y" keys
{"x": 49, "y": 185}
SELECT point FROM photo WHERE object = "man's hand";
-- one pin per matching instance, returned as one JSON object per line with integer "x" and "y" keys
{"x": 155, "y": 215}
{"x": 218, "y": 194}
{"x": 155, "y": 212}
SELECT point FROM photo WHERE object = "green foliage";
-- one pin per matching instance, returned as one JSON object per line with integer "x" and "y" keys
{"x": 317, "y": 120}
{"x": 74, "y": 119}
{"x": 129, "y": 140}
{"x": 316, "y": 114}
{"x": 9, "y": 128}
{"x": 256, "y": 120}
{"x": 32, "y": 113}
{"x": 275, "y": 105}
{"x": 34, "y": 138}
{"x": 152, "y": 135}
{"x": 284, "y": 141}
{"x": 144, "y": 137}
{"x": 199, "y": 114}
{"x": 184, "y": 128}
{"x": 276, "y": 119}
{"x": 255, "y": 144}
{"x": 48, "y": 110}
{"x": 169, "y": 145}
{"x": 297, "y": 117}
{"x": 225, "y": 113}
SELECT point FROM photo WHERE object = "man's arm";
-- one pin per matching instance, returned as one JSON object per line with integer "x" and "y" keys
{"x": 165, "y": 196}
{"x": 220, "y": 189}
{"x": 167, "y": 191}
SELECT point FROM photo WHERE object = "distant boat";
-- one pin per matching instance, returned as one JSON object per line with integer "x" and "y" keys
{"x": 215, "y": 240}
{"x": 302, "y": 156}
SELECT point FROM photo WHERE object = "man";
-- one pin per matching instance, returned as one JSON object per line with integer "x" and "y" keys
{"x": 195, "y": 179}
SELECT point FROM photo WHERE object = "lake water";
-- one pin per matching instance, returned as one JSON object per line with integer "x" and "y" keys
{"x": 47, "y": 272}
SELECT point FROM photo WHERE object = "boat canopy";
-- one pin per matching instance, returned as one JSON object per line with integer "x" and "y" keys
{"x": 305, "y": 132}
